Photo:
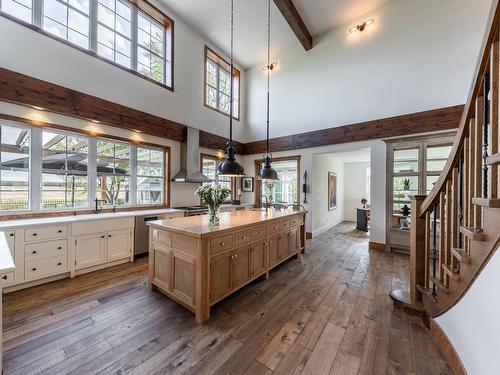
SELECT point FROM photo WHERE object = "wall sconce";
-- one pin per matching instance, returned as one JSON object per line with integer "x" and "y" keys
{"x": 271, "y": 66}
{"x": 362, "y": 26}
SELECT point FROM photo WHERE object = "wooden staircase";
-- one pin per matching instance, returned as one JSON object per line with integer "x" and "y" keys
{"x": 456, "y": 228}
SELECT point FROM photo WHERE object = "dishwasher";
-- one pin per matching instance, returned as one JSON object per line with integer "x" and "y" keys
{"x": 141, "y": 235}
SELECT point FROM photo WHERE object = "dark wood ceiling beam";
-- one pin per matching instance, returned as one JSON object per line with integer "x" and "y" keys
{"x": 422, "y": 122}
{"x": 296, "y": 23}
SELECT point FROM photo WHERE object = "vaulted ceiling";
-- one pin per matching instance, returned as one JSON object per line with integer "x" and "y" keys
{"x": 211, "y": 19}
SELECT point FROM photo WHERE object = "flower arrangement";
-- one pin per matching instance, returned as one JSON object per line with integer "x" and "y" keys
{"x": 213, "y": 195}
{"x": 406, "y": 183}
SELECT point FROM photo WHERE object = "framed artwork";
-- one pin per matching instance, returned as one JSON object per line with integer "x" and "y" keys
{"x": 247, "y": 184}
{"x": 332, "y": 191}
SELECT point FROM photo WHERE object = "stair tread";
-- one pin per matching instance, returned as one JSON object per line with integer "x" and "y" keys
{"x": 461, "y": 255}
{"x": 451, "y": 272}
{"x": 437, "y": 281}
{"x": 487, "y": 202}
{"x": 493, "y": 159}
{"x": 473, "y": 233}
{"x": 427, "y": 292}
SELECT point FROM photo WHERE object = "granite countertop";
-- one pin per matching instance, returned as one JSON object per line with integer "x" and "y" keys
{"x": 11, "y": 224}
{"x": 198, "y": 226}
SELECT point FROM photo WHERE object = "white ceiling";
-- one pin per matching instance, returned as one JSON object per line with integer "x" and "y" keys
{"x": 211, "y": 19}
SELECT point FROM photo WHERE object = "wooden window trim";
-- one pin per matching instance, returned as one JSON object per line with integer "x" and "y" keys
{"x": 143, "y": 5}
{"x": 258, "y": 183}
{"x": 47, "y": 213}
{"x": 233, "y": 179}
{"x": 236, "y": 74}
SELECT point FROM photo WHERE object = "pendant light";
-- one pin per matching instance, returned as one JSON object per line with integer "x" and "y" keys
{"x": 267, "y": 172}
{"x": 229, "y": 166}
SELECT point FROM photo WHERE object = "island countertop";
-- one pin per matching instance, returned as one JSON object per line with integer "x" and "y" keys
{"x": 198, "y": 226}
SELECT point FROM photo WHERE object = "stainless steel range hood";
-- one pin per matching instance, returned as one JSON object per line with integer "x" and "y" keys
{"x": 190, "y": 159}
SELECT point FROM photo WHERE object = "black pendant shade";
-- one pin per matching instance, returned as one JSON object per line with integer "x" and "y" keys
{"x": 229, "y": 166}
{"x": 266, "y": 171}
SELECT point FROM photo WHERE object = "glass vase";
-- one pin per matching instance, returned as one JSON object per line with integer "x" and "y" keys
{"x": 213, "y": 215}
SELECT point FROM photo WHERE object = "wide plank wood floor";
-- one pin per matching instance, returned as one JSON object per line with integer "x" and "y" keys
{"x": 330, "y": 314}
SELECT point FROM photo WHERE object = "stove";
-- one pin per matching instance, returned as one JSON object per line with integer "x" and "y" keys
{"x": 194, "y": 210}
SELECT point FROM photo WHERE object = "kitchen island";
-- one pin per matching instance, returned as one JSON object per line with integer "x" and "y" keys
{"x": 198, "y": 265}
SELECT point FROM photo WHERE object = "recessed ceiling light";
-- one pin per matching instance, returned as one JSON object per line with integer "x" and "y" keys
{"x": 38, "y": 108}
{"x": 361, "y": 26}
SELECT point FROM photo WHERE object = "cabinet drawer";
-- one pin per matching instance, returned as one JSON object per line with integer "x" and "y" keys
{"x": 284, "y": 225}
{"x": 221, "y": 243}
{"x": 44, "y": 267}
{"x": 242, "y": 236}
{"x": 45, "y": 233}
{"x": 7, "y": 278}
{"x": 296, "y": 221}
{"x": 259, "y": 233}
{"x": 48, "y": 249}
{"x": 162, "y": 237}
{"x": 103, "y": 225}
{"x": 274, "y": 227}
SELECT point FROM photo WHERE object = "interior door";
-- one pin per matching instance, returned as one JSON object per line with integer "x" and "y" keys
{"x": 220, "y": 276}
{"x": 258, "y": 258}
{"x": 119, "y": 245}
{"x": 240, "y": 266}
{"x": 90, "y": 250}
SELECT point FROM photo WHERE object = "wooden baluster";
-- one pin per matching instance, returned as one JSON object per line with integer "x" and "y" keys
{"x": 466, "y": 185}
{"x": 453, "y": 205}
{"x": 494, "y": 103}
{"x": 442, "y": 235}
{"x": 477, "y": 166}
{"x": 434, "y": 246}
{"x": 417, "y": 248}
{"x": 448, "y": 221}
{"x": 427, "y": 248}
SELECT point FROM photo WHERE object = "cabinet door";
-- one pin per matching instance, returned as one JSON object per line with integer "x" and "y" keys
{"x": 220, "y": 275}
{"x": 118, "y": 245}
{"x": 273, "y": 251}
{"x": 241, "y": 267}
{"x": 292, "y": 241}
{"x": 184, "y": 277}
{"x": 282, "y": 246}
{"x": 162, "y": 267}
{"x": 258, "y": 258}
{"x": 90, "y": 250}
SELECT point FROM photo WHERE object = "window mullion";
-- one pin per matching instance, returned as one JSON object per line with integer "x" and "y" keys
{"x": 93, "y": 25}
{"x": 92, "y": 170}
{"x": 133, "y": 175}
{"x": 134, "y": 57}
{"x": 37, "y": 12}
{"x": 36, "y": 169}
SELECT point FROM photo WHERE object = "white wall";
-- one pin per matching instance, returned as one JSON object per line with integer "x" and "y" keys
{"x": 377, "y": 190}
{"x": 418, "y": 55}
{"x": 181, "y": 194}
{"x": 472, "y": 325}
{"x": 322, "y": 218}
{"x": 31, "y": 53}
{"x": 355, "y": 184}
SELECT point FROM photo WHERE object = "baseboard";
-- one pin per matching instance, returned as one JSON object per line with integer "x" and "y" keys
{"x": 444, "y": 344}
{"x": 377, "y": 246}
{"x": 326, "y": 227}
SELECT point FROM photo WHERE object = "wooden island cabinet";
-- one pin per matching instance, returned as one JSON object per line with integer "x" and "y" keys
{"x": 198, "y": 265}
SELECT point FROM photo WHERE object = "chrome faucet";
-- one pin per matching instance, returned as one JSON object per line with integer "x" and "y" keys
{"x": 98, "y": 208}
{"x": 267, "y": 202}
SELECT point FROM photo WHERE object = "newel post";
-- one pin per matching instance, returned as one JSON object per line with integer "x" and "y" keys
{"x": 417, "y": 247}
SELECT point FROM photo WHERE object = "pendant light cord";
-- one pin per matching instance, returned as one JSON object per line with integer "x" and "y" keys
{"x": 268, "y": 67}
{"x": 231, "y": 76}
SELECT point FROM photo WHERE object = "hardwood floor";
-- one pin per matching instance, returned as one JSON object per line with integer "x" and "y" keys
{"x": 331, "y": 315}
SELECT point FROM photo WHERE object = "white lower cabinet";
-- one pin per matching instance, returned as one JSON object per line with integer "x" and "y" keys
{"x": 9, "y": 278}
{"x": 90, "y": 250}
{"x": 96, "y": 249}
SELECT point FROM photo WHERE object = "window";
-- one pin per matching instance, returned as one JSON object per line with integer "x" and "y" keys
{"x": 64, "y": 171}
{"x": 113, "y": 173}
{"x": 285, "y": 190}
{"x": 15, "y": 144}
{"x": 114, "y": 31}
{"x": 218, "y": 84}
{"x": 68, "y": 20}
{"x": 21, "y": 9}
{"x": 209, "y": 166}
{"x": 149, "y": 175}
{"x": 134, "y": 35}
